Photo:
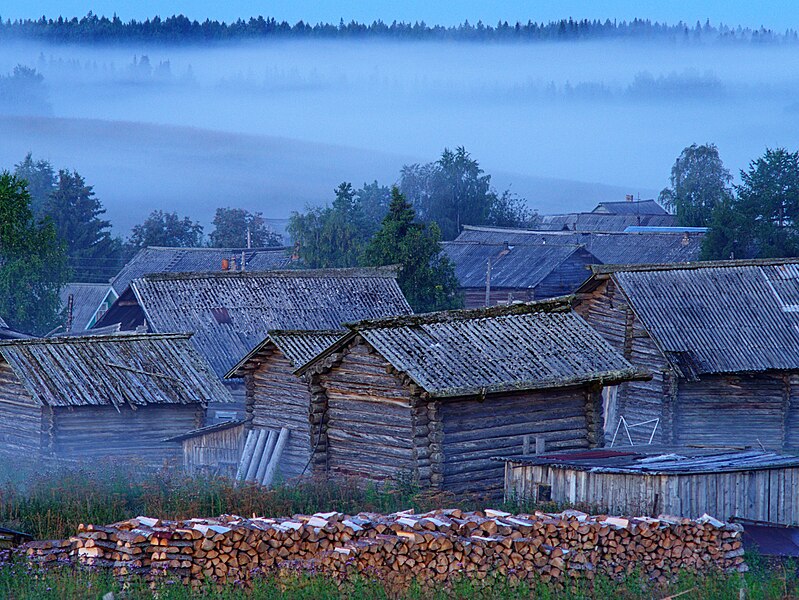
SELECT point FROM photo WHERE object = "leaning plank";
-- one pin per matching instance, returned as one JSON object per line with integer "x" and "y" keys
{"x": 271, "y": 440}
{"x": 276, "y": 453}
{"x": 246, "y": 455}
{"x": 256, "y": 455}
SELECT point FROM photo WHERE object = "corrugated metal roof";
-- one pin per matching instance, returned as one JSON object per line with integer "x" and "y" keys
{"x": 599, "y": 222}
{"x": 156, "y": 259}
{"x": 636, "y": 207}
{"x": 675, "y": 462}
{"x": 521, "y": 347}
{"x": 86, "y": 299}
{"x": 230, "y": 313}
{"x": 298, "y": 347}
{"x": 113, "y": 370}
{"x": 512, "y": 266}
{"x": 721, "y": 317}
{"x": 608, "y": 248}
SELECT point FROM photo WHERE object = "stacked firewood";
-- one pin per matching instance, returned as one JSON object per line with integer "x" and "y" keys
{"x": 433, "y": 548}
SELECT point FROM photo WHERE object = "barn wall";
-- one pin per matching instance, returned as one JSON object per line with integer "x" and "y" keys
{"x": 215, "y": 452}
{"x": 474, "y": 432}
{"x": 763, "y": 495}
{"x": 281, "y": 399}
{"x": 369, "y": 428}
{"x": 792, "y": 413}
{"x": 21, "y": 418}
{"x": 92, "y": 432}
{"x": 719, "y": 409}
{"x": 219, "y": 412}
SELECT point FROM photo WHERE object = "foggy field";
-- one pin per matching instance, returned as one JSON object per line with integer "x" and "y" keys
{"x": 275, "y": 125}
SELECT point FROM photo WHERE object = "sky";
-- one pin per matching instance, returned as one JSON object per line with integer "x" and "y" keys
{"x": 774, "y": 14}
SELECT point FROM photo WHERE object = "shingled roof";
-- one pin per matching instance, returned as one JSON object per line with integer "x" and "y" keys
{"x": 157, "y": 259}
{"x": 608, "y": 248}
{"x": 536, "y": 345}
{"x": 86, "y": 299}
{"x": 717, "y": 317}
{"x": 512, "y": 266}
{"x": 113, "y": 370}
{"x": 230, "y": 313}
{"x": 298, "y": 347}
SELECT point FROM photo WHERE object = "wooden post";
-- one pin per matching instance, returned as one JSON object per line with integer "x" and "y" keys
{"x": 246, "y": 455}
{"x": 540, "y": 445}
{"x": 266, "y": 455}
{"x": 256, "y": 455}
{"x": 526, "y": 445}
{"x": 488, "y": 283}
{"x": 275, "y": 460}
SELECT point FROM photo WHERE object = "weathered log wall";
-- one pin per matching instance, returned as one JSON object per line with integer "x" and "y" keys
{"x": 278, "y": 398}
{"x": 22, "y": 420}
{"x": 763, "y": 495}
{"x": 476, "y": 431}
{"x": 214, "y": 453}
{"x": 92, "y": 432}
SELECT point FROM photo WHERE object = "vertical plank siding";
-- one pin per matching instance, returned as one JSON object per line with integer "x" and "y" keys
{"x": 214, "y": 453}
{"x": 474, "y": 432}
{"x": 763, "y": 495}
{"x": 281, "y": 399}
{"x": 94, "y": 432}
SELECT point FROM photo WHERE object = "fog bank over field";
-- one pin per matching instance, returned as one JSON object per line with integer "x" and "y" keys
{"x": 274, "y": 125}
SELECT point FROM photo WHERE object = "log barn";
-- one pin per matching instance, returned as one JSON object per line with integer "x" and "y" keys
{"x": 721, "y": 340}
{"x": 753, "y": 484}
{"x": 433, "y": 397}
{"x": 491, "y": 274}
{"x": 232, "y": 312}
{"x": 86, "y": 398}
{"x": 276, "y": 397}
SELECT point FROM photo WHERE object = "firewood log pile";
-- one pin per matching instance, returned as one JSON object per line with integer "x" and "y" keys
{"x": 431, "y": 548}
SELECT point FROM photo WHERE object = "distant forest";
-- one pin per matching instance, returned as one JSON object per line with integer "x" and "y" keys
{"x": 93, "y": 28}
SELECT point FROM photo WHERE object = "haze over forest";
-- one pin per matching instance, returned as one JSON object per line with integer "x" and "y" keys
{"x": 274, "y": 124}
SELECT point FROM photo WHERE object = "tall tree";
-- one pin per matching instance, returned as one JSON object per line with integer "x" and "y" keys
{"x": 427, "y": 277}
{"x": 239, "y": 228}
{"x": 33, "y": 262}
{"x": 455, "y": 191}
{"x": 76, "y": 213}
{"x": 699, "y": 183}
{"x": 41, "y": 179}
{"x": 333, "y": 236}
{"x": 166, "y": 229}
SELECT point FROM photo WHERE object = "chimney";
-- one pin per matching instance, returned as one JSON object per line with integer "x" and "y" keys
{"x": 629, "y": 197}
{"x": 233, "y": 263}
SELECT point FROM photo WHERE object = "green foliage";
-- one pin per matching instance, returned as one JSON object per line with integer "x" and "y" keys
{"x": 75, "y": 211}
{"x": 166, "y": 229}
{"x": 234, "y": 227}
{"x": 699, "y": 184}
{"x": 454, "y": 191}
{"x": 41, "y": 179}
{"x": 335, "y": 236}
{"x": 427, "y": 278}
{"x": 33, "y": 263}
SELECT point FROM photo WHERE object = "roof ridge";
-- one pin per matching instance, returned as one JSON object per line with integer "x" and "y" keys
{"x": 344, "y": 273}
{"x": 214, "y": 249}
{"x": 82, "y": 339}
{"x": 305, "y": 332}
{"x": 557, "y": 304}
{"x": 694, "y": 265}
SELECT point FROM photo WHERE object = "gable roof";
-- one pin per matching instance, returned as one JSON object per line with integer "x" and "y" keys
{"x": 636, "y": 207}
{"x": 230, "y": 313}
{"x": 298, "y": 347}
{"x": 137, "y": 370}
{"x": 512, "y": 266}
{"x": 603, "y": 222}
{"x": 608, "y": 248}
{"x": 6, "y": 333}
{"x": 158, "y": 259}
{"x": 535, "y": 345}
{"x": 86, "y": 299}
{"x": 717, "y": 317}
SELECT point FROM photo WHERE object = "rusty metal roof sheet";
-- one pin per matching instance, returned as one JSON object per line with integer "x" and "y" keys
{"x": 113, "y": 370}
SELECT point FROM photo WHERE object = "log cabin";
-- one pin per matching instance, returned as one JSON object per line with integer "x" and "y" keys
{"x": 432, "y": 398}
{"x": 86, "y": 398}
{"x": 276, "y": 397}
{"x": 83, "y": 304}
{"x": 232, "y": 312}
{"x": 491, "y": 274}
{"x": 721, "y": 340}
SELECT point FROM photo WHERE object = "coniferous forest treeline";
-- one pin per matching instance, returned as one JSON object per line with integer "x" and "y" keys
{"x": 181, "y": 29}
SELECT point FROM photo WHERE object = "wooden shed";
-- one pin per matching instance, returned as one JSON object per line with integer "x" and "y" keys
{"x": 232, "y": 312}
{"x": 491, "y": 274}
{"x": 754, "y": 485}
{"x": 721, "y": 340}
{"x": 277, "y": 397}
{"x": 86, "y": 398}
{"x": 433, "y": 397}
